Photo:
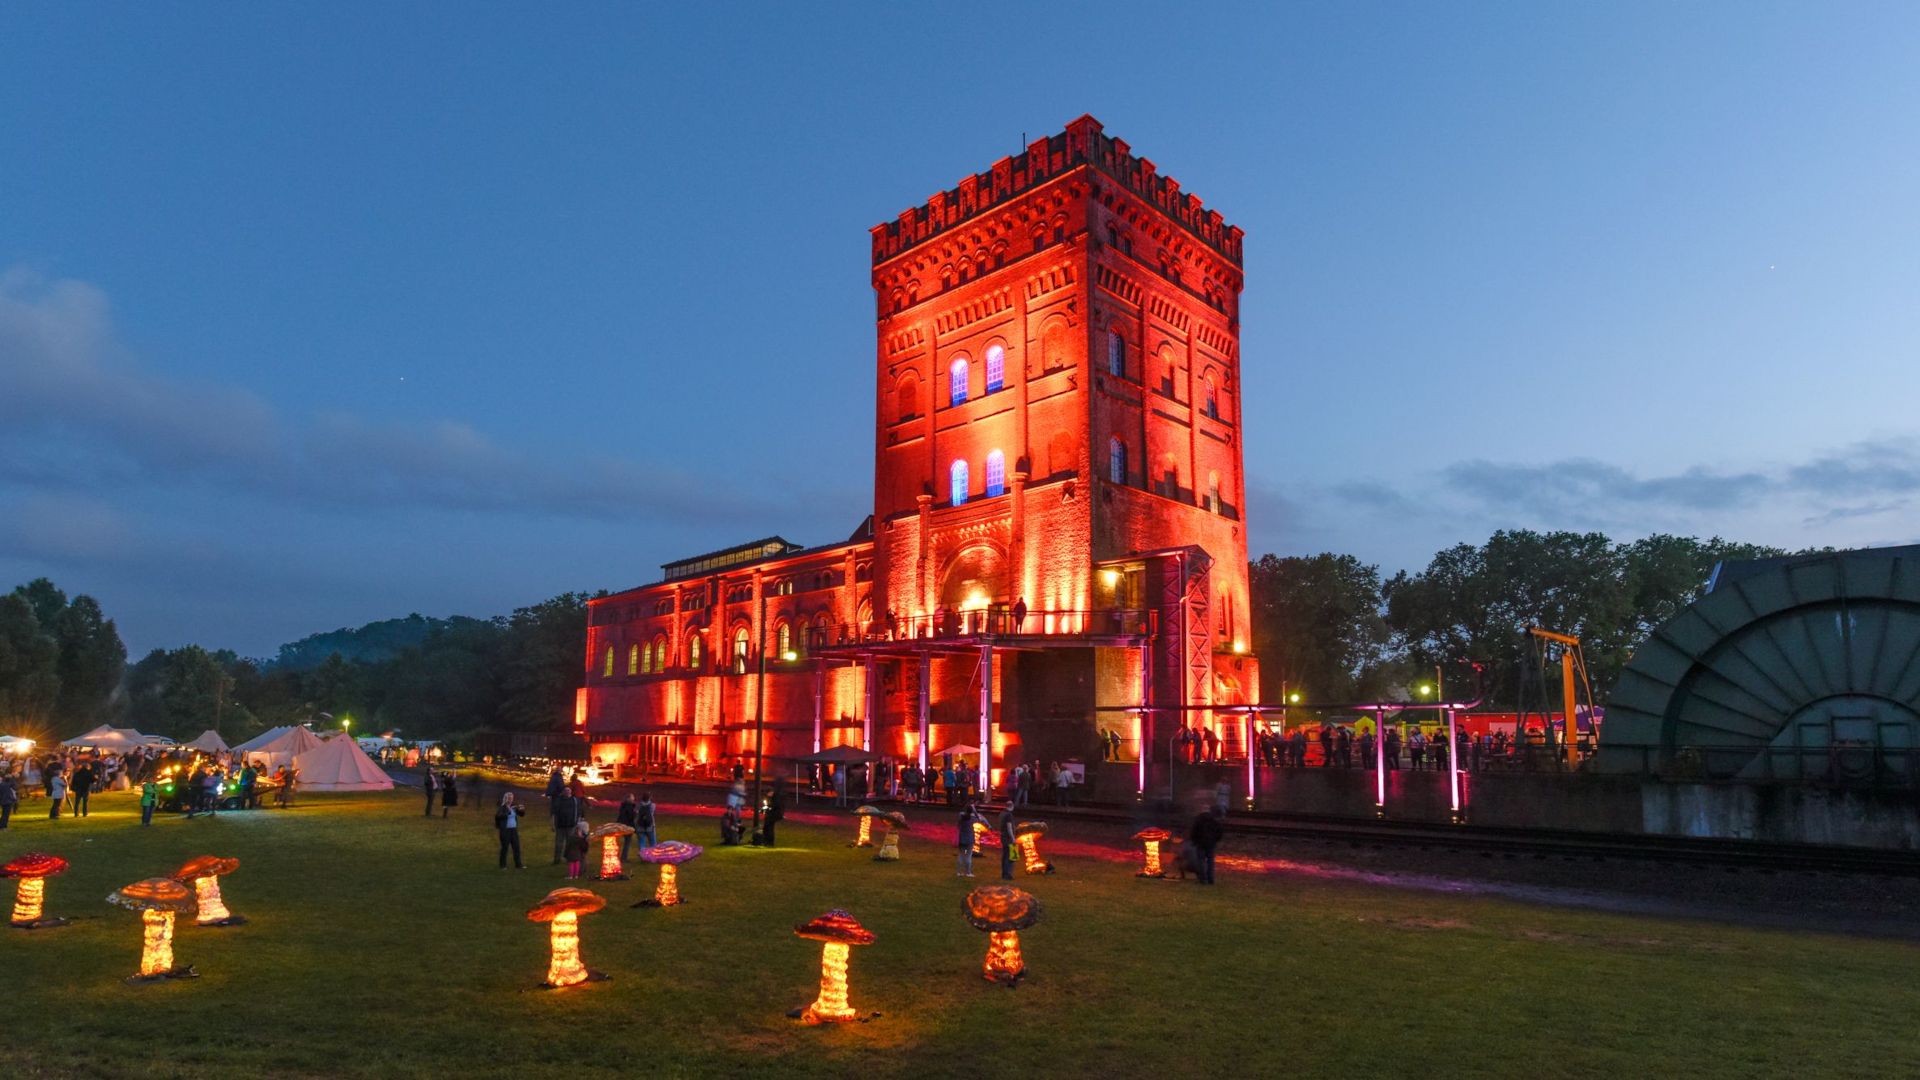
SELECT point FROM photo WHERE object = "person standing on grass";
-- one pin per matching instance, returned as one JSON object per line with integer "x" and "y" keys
{"x": 628, "y": 815}
{"x": 963, "y": 866}
{"x": 1007, "y": 842}
{"x": 248, "y": 777}
{"x": 774, "y": 813}
{"x": 506, "y": 820}
{"x": 149, "y": 798}
{"x": 449, "y": 793}
{"x": 81, "y": 787}
{"x": 566, "y": 814}
{"x": 643, "y": 828}
{"x": 56, "y": 792}
{"x": 431, "y": 785}
{"x": 9, "y": 798}
{"x": 576, "y": 849}
{"x": 1204, "y": 836}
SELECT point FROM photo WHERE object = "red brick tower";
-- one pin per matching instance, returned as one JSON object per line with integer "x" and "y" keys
{"x": 1058, "y": 425}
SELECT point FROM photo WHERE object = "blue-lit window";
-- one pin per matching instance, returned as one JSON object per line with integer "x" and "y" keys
{"x": 958, "y": 474}
{"x": 1116, "y": 354}
{"x": 957, "y": 382}
{"x": 996, "y": 474}
{"x": 1117, "y": 460}
{"x": 996, "y": 368}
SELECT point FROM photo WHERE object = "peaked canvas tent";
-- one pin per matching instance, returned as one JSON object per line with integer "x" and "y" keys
{"x": 208, "y": 741}
{"x": 109, "y": 739}
{"x": 279, "y": 746}
{"x": 340, "y": 765}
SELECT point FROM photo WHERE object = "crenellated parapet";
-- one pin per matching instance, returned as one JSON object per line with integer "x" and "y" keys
{"x": 1082, "y": 143}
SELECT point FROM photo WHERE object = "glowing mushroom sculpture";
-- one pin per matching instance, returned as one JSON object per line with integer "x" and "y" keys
{"x": 982, "y": 836}
{"x": 1002, "y": 911}
{"x": 866, "y": 814}
{"x": 668, "y": 855}
{"x": 561, "y": 910}
{"x": 609, "y": 836}
{"x": 31, "y": 872}
{"x": 157, "y": 900}
{"x": 1151, "y": 838}
{"x": 891, "y": 824}
{"x": 203, "y": 875}
{"x": 1027, "y": 835}
{"x": 840, "y": 932}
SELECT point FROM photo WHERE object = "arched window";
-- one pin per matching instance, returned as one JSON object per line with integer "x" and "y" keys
{"x": 740, "y": 651}
{"x": 1213, "y": 492}
{"x": 1213, "y": 397}
{"x": 957, "y": 474}
{"x": 693, "y": 652}
{"x": 633, "y": 659}
{"x": 908, "y": 398}
{"x": 606, "y": 669}
{"x": 996, "y": 474}
{"x": 784, "y": 636}
{"x": 1116, "y": 354}
{"x": 1116, "y": 460}
{"x": 996, "y": 368}
{"x": 957, "y": 382}
{"x": 659, "y": 654}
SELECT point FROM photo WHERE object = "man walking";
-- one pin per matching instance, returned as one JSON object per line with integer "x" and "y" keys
{"x": 964, "y": 864}
{"x": 1007, "y": 842}
{"x": 80, "y": 787}
{"x": 1204, "y": 836}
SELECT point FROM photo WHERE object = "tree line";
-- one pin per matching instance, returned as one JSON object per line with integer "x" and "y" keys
{"x": 1328, "y": 627}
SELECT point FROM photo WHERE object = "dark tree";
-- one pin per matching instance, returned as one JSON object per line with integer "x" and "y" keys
{"x": 1317, "y": 625}
{"x": 29, "y": 667}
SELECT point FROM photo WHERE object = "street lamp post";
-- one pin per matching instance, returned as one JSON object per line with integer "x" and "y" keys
{"x": 759, "y": 709}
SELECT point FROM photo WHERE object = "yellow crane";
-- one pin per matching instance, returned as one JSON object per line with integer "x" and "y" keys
{"x": 1573, "y": 674}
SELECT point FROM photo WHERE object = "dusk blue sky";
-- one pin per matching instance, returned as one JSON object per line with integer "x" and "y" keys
{"x": 317, "y": 314}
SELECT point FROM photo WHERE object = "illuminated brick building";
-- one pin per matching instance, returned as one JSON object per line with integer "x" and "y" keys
{"x": 1057, "y": 437}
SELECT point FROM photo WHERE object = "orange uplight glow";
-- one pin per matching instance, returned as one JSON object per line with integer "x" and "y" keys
{"x": 668, "y": 894}
{"x": 29, "y": 900}
{"x": 610, "y": 857}
{"x": 1004, "y": 962}
{"x": 156, "y": 944}
{"x": 561, "y": 910}
{"x": 1031, "y": 861}
{"x": 1002, "y": 911}
{"x": 866, "y": 832}
{"x": 212, "y": 908}
{"x": 839, "y": 932}
{"x": 1151, "y": 839}
{"x": 29, "y": 895}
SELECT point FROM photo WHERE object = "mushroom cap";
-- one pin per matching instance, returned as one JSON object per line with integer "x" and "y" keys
{"x": 837, "y": 926}
{"x": 671, "y": 852}
{"x": 155, "y": 894}
{"x": 1000, "y": 907}
{"x": 898, "y": 819}
{"x": 869, "y": 810}
{"x": 1153, "y": 832}
{"x": 564, "y": 900}
{"x": 1027, "y": 828}
{"x": 34, "y": 864}
{"x": 205, "y": 866}
{"x": 611, "y": 828}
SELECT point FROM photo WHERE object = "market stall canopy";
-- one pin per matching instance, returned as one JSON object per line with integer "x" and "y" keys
{"x": 209, "y": 742}
{"x": 340, "y": 765}
{"x": 279, "y": 746}
{"x": 840, "y": 755}
{"x": 957, "y": 751}
{"x": 114, "y": 739}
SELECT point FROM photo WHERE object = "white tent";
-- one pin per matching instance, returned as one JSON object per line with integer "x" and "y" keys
{"x": 340, "y": 765}
{"x": 108, "y": 739}
{"x": 279, "y": 746}
{"x": 209, "y": 741}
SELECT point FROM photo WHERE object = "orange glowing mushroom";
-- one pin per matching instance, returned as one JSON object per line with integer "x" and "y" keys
{"x": 1002, "y": 911}
{"x": 1027, "y": 834}
{"x": 668, "y": 855}
{"x": 866, "y": 814}
{"x": 204, "y": 875}
{"x": 892, "y": 821}
{"x": 29, "y": 896}
{"x": 983, "y": 836}
{"x": 157, "y": 900}
{"x": 840, "y": 931}
{"x": 609, "y": 836}
{"x": 1152, "y": 837}
{"x": 561, "y": 909}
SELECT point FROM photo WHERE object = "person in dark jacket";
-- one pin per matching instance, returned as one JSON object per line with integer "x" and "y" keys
{"x": 964, "y": 841}
{"x": 9, "y": 798}
{"x": 566, "y": 814}
{"x": 1203, "y": 836}
{"x": 432, "y": 785}
{"x": 449, "y": 793}
{"x": 1007, "y": 842}
{"x": 628, "y": 815}
{"x": 576, "y": 849}
{"x": 774, "y": 812}
{"x": 643, "y": 824}
{"x": 506, "y": 821}
{"x": 81, "y": 786}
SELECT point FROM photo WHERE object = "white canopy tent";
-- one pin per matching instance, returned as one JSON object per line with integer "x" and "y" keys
{"x": 279, "y": 746}
{"x": 109, "y": 739}
{"x": 340, "y": 765}
{"x": 209, "y": 742}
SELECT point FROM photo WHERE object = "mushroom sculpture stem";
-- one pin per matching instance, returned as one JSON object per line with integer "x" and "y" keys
{"x": 156, "y": 943}
{"x": 889, "y": 845}
{"x": 668, "y": 894}
{"x": 831, "y": 1006}
{"x": 213, "y": 910}
{"x": 610, "y": 867}
{"x": 565, "y": 967}
{"x": 1152, "y": 868}
{"x": 980, "y": 832}
{"x": 866, "y": 832}
{"x": 29, "y": 900}
{"x": 1004, "y": 963}
{"x": 1032, "y": 863}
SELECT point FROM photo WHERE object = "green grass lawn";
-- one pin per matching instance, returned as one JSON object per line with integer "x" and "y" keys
{"x": 384, "y": 944}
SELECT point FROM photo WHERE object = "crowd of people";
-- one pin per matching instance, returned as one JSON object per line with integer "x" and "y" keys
{"x": 1421, "y": 748}
{"x": 165, "y": 776}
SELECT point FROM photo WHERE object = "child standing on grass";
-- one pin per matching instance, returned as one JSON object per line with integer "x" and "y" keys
{"x": 576, "y": 849}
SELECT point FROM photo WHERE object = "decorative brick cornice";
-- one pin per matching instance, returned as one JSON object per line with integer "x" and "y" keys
{"x": 1111, "y": 281}
{"x": 905, "y": 340}
{"x": 1082, "y": 144}
{"x": 1169, "y": 313}
{"x": 1049, "y": 280}
{"x": 1218, "y": 340}
{"x": 973, "y": 311}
